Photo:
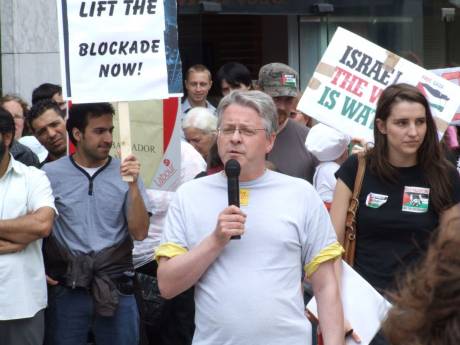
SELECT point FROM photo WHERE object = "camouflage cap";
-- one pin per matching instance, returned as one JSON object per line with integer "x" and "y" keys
{"x": 278, "y": 79}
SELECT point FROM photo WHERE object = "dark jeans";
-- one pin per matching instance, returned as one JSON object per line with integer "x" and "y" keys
{"x": 163, "y": 322}
{"x": 70, "y": 316}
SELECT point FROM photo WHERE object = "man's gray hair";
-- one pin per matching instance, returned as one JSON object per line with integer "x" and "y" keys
{"x": 259, "y": 101}
{"x": 201, "y": 118}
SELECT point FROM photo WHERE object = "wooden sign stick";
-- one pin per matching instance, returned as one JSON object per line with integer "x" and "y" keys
{"x": 125, "y": 134}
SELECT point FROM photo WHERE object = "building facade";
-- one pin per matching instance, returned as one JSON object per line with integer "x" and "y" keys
{"x": 29, "y": 45}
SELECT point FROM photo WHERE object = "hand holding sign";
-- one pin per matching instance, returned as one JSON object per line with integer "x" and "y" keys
{"x": 130, "y": 169}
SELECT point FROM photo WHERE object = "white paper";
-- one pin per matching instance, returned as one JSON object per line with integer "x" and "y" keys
{"x": 112, "y": 51}
{"x": 363, "y": 306}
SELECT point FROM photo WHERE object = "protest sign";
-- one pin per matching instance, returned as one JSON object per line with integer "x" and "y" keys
{"x": 168, "y": 174}
{"x": 453, "y": 75}
{"x": 346, "y": 85}
{"x": 156, "y": 140}
{"x": 126, "y": 51}
{"x": 113, "y": 50}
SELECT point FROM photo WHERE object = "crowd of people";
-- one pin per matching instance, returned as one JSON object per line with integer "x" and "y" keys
{"x": 86, "y": 257}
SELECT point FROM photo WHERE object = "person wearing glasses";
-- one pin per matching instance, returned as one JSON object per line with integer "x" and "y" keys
{"x": 248, "y": 291}
{"x": 17, "y": 107}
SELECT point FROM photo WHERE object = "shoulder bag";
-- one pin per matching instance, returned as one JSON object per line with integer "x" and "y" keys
{"x": 349, "y": 242}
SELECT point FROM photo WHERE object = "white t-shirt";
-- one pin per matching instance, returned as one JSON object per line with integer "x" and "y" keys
{"x": 23, "y": 190}
{"x": 191, "y": 164}
{"x": 324, "y": 180}
{"x": 251, "y": 295}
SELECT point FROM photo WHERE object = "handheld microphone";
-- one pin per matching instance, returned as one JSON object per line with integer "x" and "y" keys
{"x": 232, "y": 170}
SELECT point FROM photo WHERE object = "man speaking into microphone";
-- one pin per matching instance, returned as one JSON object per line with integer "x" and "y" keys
{"x": 248, "y": 291}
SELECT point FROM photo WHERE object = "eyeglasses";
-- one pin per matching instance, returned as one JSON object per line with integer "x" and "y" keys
{"x": 244, "y": 131}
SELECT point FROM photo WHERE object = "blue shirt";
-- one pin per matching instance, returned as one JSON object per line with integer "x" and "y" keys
{"x": 92, "y": 210}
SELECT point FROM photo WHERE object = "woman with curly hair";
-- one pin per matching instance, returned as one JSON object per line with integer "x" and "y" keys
{"x": 426, "y": 307}
{"x": 408, "y": 189}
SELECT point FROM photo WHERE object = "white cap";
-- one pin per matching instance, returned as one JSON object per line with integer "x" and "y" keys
{"x": 326, "y": 143}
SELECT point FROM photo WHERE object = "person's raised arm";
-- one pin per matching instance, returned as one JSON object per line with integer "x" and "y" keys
{"x": 138, "y": 218}
{"x": 179, "y": 273}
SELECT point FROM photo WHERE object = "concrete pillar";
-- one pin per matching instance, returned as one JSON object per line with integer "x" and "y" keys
{"x": 29, "y": 45}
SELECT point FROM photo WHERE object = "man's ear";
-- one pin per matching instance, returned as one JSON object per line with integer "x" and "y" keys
{"x": 381, "y": 126}
{"x": 271, "y": 142}
{"x": 76, "y": 134}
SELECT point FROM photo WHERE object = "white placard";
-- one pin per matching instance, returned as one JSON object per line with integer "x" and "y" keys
{"x": 363, "y": 306}
{"x": 350, "y": 77}
{"x": 112, "y": 50}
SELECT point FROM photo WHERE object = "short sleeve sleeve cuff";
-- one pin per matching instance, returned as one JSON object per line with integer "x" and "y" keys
{"x": 169, "y": 250}
{"x": 347, "y": 171}
{"x": 332, "y": 251}
{"x": 40, "y": 194}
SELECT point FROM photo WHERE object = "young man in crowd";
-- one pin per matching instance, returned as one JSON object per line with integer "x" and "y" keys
{"x": 89, "y": 254}
{"x": 198, "y": 82}
{"x": 46, "y": 121}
